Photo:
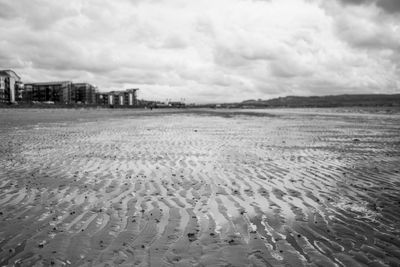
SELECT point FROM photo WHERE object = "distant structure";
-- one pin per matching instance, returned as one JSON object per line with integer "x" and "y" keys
{"x": 83, "y": 93}
{"x": 168, "y": 104}
{"x": 102, "y": 99}
{"x": 177, "y": 104}
{"x": 131, "y": 97}
{"x": 12, "y": 90}
{"x": 11, "y": 87}
{"x": 119, "y": 98}
{"x": 57, "y": 92}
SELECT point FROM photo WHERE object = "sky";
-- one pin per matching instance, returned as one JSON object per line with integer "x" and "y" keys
{"x": 206, "y": 51}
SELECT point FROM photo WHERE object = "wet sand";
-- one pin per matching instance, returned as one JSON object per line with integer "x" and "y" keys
{"x": 199, "y": 188}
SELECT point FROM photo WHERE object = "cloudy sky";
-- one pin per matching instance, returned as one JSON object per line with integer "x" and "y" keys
{"x": 208, "y": 50}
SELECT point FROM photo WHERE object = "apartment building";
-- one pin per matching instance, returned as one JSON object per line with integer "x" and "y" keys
{"x": 61, "y": 92}
{"x": 57, "y": 92}
{"x": 127, "y": 98}
{"x": 11, "y": 87}
{"x": 83, "y": 93}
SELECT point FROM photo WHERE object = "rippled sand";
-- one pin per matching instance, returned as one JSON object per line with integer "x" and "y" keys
{"x": 201, "y": 188}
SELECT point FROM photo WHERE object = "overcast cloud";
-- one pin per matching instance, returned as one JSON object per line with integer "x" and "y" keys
{"x": 209, "y": 50}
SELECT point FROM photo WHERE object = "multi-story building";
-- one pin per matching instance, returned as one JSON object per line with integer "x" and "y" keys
{"x": 116, "y": 98}
{"x": 62, "y": 92}
{"x": 57, "y": 92}
{"x": 11, "y": 87}
{"x": 112, "y": 98}
{"x": 131, "y": 97}
{"x": 125, "y": 98}
{"x": 83, "y": 93}
{"x": 102, "y": 99}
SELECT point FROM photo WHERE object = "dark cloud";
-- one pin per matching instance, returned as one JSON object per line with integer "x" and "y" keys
{"x": 372, "y": 31}
{"x": 288, "y": 69}
{"x": 7, "y": 11}
{"x": 356, "y": 2}
{"x": 390, "y": 6}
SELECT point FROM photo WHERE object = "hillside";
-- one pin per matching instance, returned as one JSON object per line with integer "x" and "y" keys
{"x": 327, "y": 101}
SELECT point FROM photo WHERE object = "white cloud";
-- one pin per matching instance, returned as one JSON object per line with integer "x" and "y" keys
{"x": 211, "y": 50}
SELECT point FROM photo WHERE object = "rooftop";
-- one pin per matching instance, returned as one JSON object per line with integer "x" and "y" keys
{"x": 10, "y": 73}
{"x": 49, "y": 83}
{"x": 84, "y": 84}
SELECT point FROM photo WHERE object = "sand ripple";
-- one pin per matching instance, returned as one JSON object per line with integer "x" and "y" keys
{"x": 202, "y": 190}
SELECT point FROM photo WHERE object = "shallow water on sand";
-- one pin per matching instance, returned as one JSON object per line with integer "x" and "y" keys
{"x": 201, "y": 189}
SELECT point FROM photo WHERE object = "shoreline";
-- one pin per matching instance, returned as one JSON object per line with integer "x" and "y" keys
{"x": 13, "y": 116}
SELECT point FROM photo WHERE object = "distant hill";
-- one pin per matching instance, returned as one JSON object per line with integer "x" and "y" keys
{"x": 370, "y": 100}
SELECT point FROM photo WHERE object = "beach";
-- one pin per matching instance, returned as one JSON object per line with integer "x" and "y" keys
{"x": 294, "y": 187}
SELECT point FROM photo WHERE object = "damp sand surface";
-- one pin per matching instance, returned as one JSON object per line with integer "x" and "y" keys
{"x": 199, "y": 188}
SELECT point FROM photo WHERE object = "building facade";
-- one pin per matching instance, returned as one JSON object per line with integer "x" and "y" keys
{"x": 11, "y": 87}
{"x": 102, "y": 99}
{"x": 61, "y": 92}
{"x": 127, "y": 98}
{"x": 83, "y": 93}
{"x": 131, "y": 97}
{"x": 57, "y": 92}
{"x": 116, "y": 98}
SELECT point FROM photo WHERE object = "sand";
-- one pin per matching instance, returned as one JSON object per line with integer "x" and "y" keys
{"x": 199, "y": 188}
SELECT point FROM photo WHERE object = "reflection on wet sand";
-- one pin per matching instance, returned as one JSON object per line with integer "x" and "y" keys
{"x": 204, "y": 190}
